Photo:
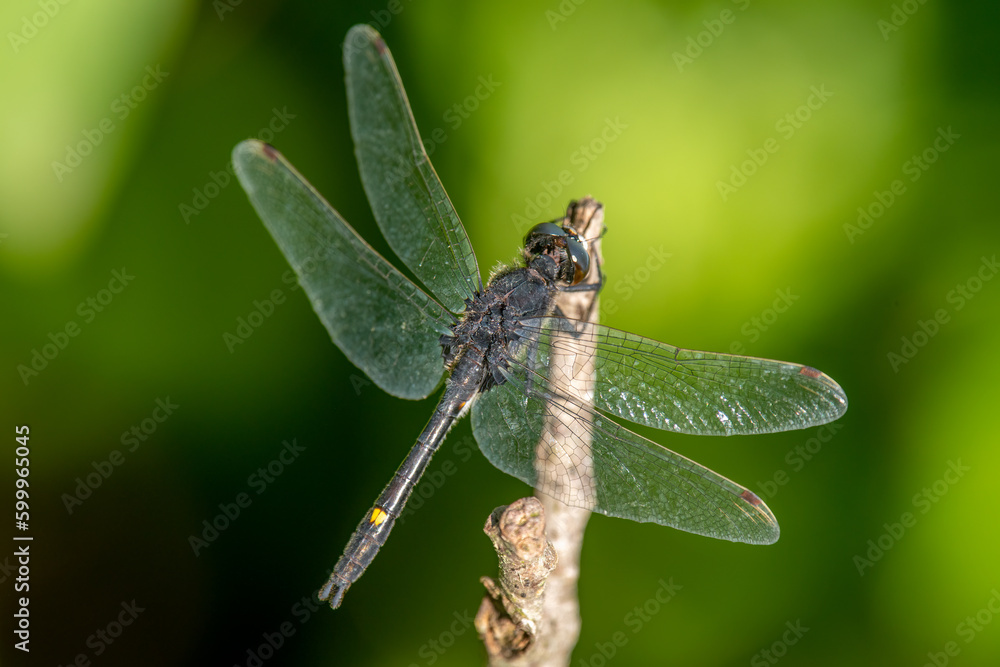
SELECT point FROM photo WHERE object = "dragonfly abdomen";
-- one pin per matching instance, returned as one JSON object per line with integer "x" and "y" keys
{"x": 374, "y": 528}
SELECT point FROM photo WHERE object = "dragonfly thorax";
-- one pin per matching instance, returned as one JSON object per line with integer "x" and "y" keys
{"x": 487, "y": 330}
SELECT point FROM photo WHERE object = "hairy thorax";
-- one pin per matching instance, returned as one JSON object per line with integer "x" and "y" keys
{"x": 487, "y": 329}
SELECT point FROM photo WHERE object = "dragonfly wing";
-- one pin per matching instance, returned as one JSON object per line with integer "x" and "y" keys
{"x": 687, "y": 391}
{"x": 603, "y": 467}
{"x": 387, "y": 326}
{"x": 406, "y": 196}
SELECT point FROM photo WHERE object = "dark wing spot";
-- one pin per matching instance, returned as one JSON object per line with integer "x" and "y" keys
{"x": 380, "y": 45}
{"x": 751, "y": 498}
{"x": 269, "y": 151}
{"x": 809, "y": 371}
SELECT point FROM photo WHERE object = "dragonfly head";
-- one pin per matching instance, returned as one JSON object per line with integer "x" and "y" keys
{"x": 564, "y": 246}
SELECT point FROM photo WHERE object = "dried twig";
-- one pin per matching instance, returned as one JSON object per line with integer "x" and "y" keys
{"x": 509, "y": 617}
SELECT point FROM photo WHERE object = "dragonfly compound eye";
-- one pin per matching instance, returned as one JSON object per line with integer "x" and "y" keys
{"x": 542, "y": 236}
{"x": 578, "y": 254}
{"x": 548, "y": 236}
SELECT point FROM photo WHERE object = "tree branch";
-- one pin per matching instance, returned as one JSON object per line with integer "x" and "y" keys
{"x": 509, "y": 616}
{"x": 549, "y": 638}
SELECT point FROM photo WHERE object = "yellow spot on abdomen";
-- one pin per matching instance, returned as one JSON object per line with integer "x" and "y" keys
{"x": 378, "y": 516}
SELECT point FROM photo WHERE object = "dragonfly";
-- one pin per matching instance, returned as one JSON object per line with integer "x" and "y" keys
{"x": 501, "y": 350}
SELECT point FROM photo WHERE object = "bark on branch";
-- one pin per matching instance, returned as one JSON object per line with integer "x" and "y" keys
{"x": 509, "y": 616}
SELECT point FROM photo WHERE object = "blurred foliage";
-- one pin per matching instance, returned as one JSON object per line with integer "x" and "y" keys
{"x": 648, "y": 106}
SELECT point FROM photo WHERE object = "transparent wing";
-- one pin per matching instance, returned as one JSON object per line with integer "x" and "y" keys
{"x": 686, "y": 391}
{"x": 387, "y": 326}
{"x": 599, "y": 465}
{"x": 406, "y": 196}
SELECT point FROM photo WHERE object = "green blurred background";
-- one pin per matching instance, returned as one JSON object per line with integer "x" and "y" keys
{"x": 599, "y": 94}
